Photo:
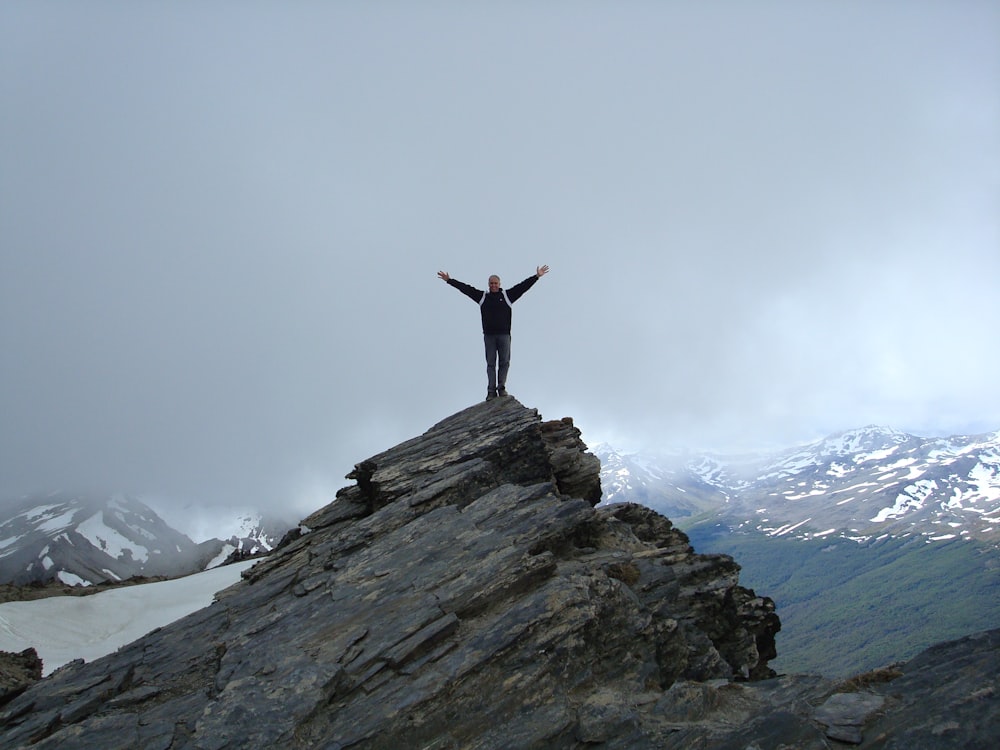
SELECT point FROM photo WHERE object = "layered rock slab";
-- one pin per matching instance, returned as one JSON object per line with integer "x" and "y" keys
{"x": 464, "y": 592}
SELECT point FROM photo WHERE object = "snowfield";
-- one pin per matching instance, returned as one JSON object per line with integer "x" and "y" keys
{"x": 64, "y": 628}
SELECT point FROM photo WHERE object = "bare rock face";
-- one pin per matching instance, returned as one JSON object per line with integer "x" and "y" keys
{"x": 463, "y": 592}
{"x": 466, "y": 593}
{"x": 17, "y": 672}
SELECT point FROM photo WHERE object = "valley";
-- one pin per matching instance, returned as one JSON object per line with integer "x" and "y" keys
{"x": 873, "y": 543}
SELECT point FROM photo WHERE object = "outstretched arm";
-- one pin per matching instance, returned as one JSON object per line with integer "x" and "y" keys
{"x": 469, "y": 291}
{"x": 515, "y": 292}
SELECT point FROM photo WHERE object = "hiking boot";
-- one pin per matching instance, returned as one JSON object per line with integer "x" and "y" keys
{"x": 501, "y": 391}
{"x": 490, "y": 395}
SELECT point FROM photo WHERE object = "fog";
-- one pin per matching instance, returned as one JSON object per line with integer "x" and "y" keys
{"x": 221, "y": 224}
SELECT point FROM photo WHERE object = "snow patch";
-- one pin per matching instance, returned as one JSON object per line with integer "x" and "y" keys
{"x": 58, "y": 523}
{"x": 781, "y": 531}
{"x": 911, "y": 498}
{"x": 105, "y": 538}
{"x": 861, "y": 487}
{"x": 878, "y": 455}
{"x": 986, "y": 481}
{"x": 227, "y": 550}
{"x": 811, "y": 493}
{"x": 142, "y": 532}
{"x": 70, "y": 579}
{"x": 39, "y": 512}
{"x": 838, "y": 470}
{"x": 63, "y": 628}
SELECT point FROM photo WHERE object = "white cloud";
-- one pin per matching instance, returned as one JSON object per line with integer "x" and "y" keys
{"x": 218, "y": 263}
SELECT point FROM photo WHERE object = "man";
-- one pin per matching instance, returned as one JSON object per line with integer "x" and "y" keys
{"x": 495, "y": 308}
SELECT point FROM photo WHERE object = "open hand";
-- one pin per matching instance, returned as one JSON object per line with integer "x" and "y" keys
{"x": 443, "y": 275}
{"x": 541, "y": 271}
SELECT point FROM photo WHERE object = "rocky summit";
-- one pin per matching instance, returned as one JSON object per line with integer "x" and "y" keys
{"x": 465, "y": 592}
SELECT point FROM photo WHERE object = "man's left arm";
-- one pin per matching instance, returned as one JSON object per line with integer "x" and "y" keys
{"x": 518, "y": 289}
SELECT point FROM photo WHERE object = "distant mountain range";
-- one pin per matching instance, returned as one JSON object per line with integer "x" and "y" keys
{"x": 86, "y": 539}
{"x": 873, "y": 543}
{"x": 862, "y": 484}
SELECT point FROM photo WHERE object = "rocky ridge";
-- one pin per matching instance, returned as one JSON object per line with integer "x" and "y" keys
{"x": 466, "y": 593}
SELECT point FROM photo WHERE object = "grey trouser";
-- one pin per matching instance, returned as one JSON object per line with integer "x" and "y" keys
{"x": 497, "y": 348}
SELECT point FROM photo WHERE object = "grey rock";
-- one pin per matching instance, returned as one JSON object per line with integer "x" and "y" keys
{"x": 464, "y": 592}
{"x": 845, "y": 713}
{"x": 947, "y": 697}
{"x": 17, "y": 672}
{"x": 577, "y": 472}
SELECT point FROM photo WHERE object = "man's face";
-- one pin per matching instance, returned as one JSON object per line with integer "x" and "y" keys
{"x": 494, "y": 283}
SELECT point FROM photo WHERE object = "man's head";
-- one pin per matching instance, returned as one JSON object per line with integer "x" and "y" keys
{"x": 494, "y": 283}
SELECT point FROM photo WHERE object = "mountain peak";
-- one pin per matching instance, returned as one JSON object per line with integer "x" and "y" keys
{"x": 89, "y": 538}
{"x": 869, "y": 438}
{"x": 465, "y": 590}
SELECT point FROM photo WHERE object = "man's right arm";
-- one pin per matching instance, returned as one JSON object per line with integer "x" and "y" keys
{"x": 469, "y": 291}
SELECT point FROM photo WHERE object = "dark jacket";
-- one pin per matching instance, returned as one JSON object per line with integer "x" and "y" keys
{"x": 495, "y": 306}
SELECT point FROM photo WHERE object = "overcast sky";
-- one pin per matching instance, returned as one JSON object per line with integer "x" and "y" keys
{"x": 221, "y": 224}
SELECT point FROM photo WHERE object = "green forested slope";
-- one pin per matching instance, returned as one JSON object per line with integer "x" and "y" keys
{"x": 847, "y": 608}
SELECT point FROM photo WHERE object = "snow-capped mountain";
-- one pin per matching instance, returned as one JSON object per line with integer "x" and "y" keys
{"x": 676, "y": 486}
{"x": 861, "y": 484}
{"x": 89, "y": 539}
{"x": 256, "y": 535}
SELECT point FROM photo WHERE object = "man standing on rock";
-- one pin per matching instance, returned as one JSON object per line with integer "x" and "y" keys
{"x": 495, "y": 308}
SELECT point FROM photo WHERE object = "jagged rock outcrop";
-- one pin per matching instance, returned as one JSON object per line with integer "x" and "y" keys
{"x": 945, "y": 698}
{"x": 17, "y": 672}
{"x": 464, "y": 592}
